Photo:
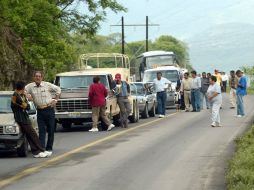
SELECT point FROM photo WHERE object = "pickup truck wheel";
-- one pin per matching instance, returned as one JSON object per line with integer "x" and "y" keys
{"x": 145, "y": 113}
{"x": 116, "y": 120}
{"x": 66, "y": 124}
{"x": 152, "y": 112}
{"x": 22, "y": 151}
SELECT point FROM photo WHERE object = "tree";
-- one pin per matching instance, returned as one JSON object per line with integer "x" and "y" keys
{"x": 38, "y": 33}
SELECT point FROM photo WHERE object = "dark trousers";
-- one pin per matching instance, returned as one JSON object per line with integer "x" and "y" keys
{"x": 46, "y": 123}
{"x": 182, "y": 104}
{"x": 125, "y": 110}
{"x": 161, "y": 99}
{"x": 195, "y": 99}
{"x": 32, "y": 138}
{"x": 224, "y": 86}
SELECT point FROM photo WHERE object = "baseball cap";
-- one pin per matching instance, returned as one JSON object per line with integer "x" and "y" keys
{"x": 118, "y": 76}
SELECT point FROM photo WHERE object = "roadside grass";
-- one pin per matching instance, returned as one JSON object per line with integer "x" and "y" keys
{"x": 240, "y": 175}
{"x": 250, "y": 90}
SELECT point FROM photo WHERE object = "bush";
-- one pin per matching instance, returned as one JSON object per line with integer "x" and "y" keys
{"x": 241, "y": 168}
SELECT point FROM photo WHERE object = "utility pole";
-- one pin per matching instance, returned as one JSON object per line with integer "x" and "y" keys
{"x": 123, "y": 51}
{"x": 135, "y": 25}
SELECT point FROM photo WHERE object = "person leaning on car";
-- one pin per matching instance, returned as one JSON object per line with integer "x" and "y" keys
{"x": 20, "y": 106}
{"x": 41, "y": 94}
{"x": 97, "y": 95}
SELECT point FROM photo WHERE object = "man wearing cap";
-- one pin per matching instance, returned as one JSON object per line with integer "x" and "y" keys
{"x": 123, "y": 91}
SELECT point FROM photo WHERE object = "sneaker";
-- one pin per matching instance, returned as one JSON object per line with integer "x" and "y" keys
{"x": 40, "y": 155}
{"x": 110, "y": 127}
{"x": 239, "y": 116}
{"x": 161, "y": 116}
{"x": 94, "y": 130}
{"x": 218, "y": 125}
{"x": 49, "y": 153}
{"x": 213, "y": 124}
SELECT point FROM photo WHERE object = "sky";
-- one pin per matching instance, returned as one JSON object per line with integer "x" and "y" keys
{"x": 180, "y": 18}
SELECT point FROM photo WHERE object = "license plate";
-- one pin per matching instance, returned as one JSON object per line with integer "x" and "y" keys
{"x": 74, "y": 114}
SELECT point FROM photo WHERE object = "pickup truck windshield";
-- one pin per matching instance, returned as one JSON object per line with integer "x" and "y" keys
{"x": 5, "y": 104}
{"x": 171, "y": 75}
{"x": 78, "y": 81}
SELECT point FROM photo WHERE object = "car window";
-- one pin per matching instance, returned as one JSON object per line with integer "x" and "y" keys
{"x": 5, "y": 104}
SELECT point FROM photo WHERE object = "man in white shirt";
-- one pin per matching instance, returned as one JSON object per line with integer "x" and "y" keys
{"x": 195, "y": 92}
{"x": 161, "y": 85}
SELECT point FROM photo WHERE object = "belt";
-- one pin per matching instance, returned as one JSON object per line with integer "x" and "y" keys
{"x": 161, "y": 91}
{"x": 186, "y": 89}
{"x": 195, "y": 89}
{"x": 44, "y": 107}
{"x": 124, "y": 97}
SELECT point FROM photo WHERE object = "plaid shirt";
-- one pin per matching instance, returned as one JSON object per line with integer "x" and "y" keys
{"x": 43, "y": 94}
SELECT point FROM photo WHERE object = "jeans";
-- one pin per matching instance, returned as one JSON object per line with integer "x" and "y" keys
{"x": 161, "y": 99}
{"x": 195, "y": 99}
{"x": 202, "y": 96}
{"x": 46, "y": 123}
{"x": 240, "y": 106}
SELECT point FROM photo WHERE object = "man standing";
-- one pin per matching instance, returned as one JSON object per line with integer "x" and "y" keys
{"x": 233, "y": 81}
{"x": 42, "y": 95}
{"x": 224, "y": 78}
{"x": 97, "y": 95}
{"x": 20, "y": 106}
{"x": 178, "y": 86}
{"x": 161, "y": 85}
{"x": 195, "y": 92}
{"x": 186, "y": 90}
{"x": 123, "y": 102}
{"x": 203, "y": 91}
{"x": 240, "y": 92}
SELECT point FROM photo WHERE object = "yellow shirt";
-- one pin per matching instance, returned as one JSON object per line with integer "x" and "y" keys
{"x": 219, "y": 78}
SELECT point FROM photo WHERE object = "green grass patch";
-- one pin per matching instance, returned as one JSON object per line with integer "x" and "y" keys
{"x": 241, "y": 168}
{"x": 250, "y": 90}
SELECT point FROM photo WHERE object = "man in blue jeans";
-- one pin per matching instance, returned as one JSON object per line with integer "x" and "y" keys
{"x": 161, "y": 85}
{"x": 195, "y": 92}
{"x": 240, "y": 92}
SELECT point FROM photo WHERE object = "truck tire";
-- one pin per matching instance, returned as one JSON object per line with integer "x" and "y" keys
{"x": 22, "y": 151}
{"x": 116, "y": 120}
{"x": 145, "y": 113}
{"x": 66, "y": 124}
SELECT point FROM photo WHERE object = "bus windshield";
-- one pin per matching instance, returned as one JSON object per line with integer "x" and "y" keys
{"x": 171, "y": 75}
{"x": 159, "y": 60}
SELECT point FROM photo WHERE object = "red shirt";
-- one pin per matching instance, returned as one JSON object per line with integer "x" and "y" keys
{"x": 97, "y": 95}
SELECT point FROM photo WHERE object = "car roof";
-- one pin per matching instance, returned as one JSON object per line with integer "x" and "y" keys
{"x": 6, "y": 92}
{"x": 156, "y": 53}
{"x": 163, "y": 68}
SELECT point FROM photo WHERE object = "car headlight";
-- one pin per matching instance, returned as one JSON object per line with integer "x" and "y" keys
{"x": 11, "y": 129}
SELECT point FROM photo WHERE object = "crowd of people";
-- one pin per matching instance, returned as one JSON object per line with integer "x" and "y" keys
{"x": 195, "y": 92}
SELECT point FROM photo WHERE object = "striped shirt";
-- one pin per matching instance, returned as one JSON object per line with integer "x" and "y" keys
{"x": 43, "y": 94}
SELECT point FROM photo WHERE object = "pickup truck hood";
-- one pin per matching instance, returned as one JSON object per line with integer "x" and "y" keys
{"x": 74, "y": 93}
{"x": 7, "y": 119}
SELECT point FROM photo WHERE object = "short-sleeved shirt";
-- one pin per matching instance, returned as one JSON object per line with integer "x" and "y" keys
{"x": 213, "y": 89}
{"x": 196, "y": 83}
{"x": 242, "y": 86}
{"x": 161, "y": 85}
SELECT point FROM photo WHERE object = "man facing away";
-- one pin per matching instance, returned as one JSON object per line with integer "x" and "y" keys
{"x": 122, "y": 99}
{"x": 41, "y": 93}
{"x": 195, "y": 92}
{"x": 161, "y": 85}
{"x": 233, "y": 81}
{"x": 97, "y": 95}
{"x": 203, "y": 91}
{"x": 241, "y": 91}
{"x": 186, "y": 90}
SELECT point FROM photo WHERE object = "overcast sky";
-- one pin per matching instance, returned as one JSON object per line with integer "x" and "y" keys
{"x": 180, "y": 18}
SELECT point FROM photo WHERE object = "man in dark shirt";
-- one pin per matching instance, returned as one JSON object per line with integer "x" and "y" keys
{"x": 20, "y": 106}
{"x": 203, "y": 91}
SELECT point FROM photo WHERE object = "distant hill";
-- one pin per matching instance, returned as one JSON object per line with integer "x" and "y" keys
{"x": 225, "y": 46}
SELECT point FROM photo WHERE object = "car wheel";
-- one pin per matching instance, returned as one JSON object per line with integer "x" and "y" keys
{"x": 152, "y": 112}
{"x": 133, "y": 117}
{"x": 116, "y": 120}
{"x": 145, "y": 112}
{"x": 22, "y": 151}
{"x": 66, "y": 124}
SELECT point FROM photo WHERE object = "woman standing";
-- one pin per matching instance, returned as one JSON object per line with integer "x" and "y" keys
{"x": 215, "y": 99}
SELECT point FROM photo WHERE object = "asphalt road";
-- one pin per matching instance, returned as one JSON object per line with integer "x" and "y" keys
{"x": 179, "y": 152}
